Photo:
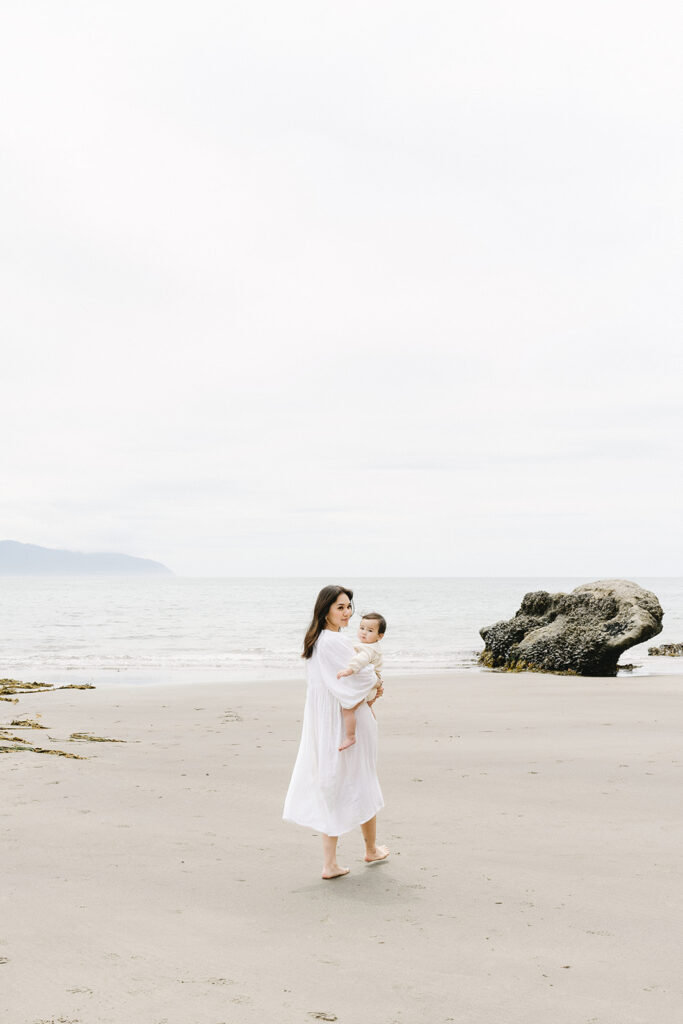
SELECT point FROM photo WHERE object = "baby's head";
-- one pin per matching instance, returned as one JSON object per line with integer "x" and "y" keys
{"x": 372, "y": 628}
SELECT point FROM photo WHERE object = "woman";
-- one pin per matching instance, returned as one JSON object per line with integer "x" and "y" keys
{"x": 334, "y": 791}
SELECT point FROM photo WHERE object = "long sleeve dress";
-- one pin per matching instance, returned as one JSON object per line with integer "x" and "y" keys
{"x": 334, "y": 791}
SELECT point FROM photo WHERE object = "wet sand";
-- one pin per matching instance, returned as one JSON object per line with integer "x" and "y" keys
{"x": 535, "y": 876}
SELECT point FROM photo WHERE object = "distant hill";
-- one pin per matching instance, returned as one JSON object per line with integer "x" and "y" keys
{"x": 30, "y": 560}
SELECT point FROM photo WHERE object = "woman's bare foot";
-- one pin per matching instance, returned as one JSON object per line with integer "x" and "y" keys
{"x": 379, "y": 853}
{"x": 348, "y": 742}
{"x": 334, "y": 872}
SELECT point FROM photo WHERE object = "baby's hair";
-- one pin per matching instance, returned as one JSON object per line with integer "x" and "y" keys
{"x": 376, "y": 617}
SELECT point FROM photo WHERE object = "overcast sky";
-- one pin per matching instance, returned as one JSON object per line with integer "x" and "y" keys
{"x": 344, "y": 289}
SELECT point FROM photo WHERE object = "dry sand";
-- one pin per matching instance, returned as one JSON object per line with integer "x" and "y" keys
{"x": 535, "y": 830}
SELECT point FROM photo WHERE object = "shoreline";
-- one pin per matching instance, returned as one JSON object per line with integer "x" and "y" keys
{"x": 189, "y": 675}
{"x": 659, "y": 667}
{"x": 535, "y": 846}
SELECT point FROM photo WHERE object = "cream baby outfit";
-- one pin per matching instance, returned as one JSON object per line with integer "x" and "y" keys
{"x": 368, "y": 654}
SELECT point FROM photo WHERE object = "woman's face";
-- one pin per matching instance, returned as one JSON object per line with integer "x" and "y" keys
{"x": 340, "y": 612}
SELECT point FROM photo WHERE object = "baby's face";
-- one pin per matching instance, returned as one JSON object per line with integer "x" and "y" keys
{"x": 368, "y": 631}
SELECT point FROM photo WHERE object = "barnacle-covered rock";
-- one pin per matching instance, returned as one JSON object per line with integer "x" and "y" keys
{"x": 582, "y": 633}
{"x": 667, "y": 651}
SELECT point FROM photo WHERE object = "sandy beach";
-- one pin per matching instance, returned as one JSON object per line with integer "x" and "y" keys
{"x": 535, "y": 877}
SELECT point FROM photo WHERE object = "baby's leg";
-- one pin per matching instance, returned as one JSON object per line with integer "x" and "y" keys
{"x": 349, "y": 716}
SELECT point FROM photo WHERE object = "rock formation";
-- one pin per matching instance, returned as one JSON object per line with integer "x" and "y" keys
{"x": 582, "y": 633}
{"x": 668, "y": 650}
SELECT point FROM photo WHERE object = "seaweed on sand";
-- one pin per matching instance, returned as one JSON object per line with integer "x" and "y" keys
{"x": 9, "y": 691}
{"x": 93, "y": 739}
{"x": 9, "y": 744}
{"x": 12, "y": 686}
{"x": 59, "y": 753}
{"x": 28, "y": 723}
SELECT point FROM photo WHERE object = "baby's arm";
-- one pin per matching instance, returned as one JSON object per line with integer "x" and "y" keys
{"x": 360, "y": 660}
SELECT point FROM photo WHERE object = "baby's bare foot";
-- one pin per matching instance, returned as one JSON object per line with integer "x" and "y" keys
{"x": 335, "y": 872}
{"x": 380, "y": 853}
{"x": 348, "y": 742}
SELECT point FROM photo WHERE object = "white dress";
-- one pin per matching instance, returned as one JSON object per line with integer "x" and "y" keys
{"x": 334, "y": 791}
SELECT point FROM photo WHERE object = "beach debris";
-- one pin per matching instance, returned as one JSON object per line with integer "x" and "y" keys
{"x": 28, "y": 723}
{"x": 10, "y": 743}
{"x": 12, "y": 686}
{"x": 58, "y": 753}
{"x": 667, "y": 651}
{"x": 24, "y": 745}
{"x": 93, "y": 739}
{"x": 58, "y": 1020}
{"x": 582, "y": 633}
{"x": 231, "y": 716}
{"x": 322, "y": 1015}
{"x": 9, "y": 688}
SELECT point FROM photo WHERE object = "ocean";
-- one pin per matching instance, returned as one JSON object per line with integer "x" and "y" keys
{"x": 166, "y": 629}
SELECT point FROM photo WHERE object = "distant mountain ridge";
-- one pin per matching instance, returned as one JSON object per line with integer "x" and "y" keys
{"x": 18, "y": 559}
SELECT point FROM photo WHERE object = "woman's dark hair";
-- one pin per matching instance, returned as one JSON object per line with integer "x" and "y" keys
{"x": 323, "y": 603}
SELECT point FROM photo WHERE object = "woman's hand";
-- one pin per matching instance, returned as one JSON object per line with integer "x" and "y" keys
{"x": 380, "y": 692}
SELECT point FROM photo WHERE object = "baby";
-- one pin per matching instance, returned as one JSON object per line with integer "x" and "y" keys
{"x": 372, "y": 628}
